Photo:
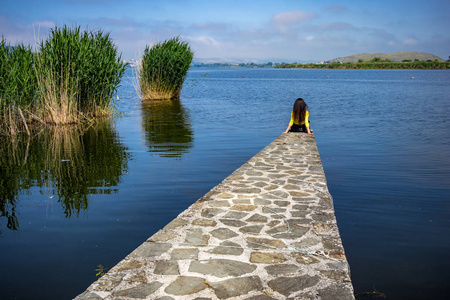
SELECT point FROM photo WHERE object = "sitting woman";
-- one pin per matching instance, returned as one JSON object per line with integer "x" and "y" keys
{"x": 299, "y": 118}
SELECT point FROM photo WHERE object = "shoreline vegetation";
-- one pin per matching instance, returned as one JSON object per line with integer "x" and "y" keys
{"x": 397, "y": 60}
{"x": 375, "y": 63}
{"x": 71, "y": 78}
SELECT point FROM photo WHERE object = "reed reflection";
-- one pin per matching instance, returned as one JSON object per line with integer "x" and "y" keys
{"x": 67, "y": 163}
{"x": 167, "y": 128}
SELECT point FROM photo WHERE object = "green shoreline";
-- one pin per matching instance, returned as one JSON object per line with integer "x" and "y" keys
{"x": 421, "y": 65}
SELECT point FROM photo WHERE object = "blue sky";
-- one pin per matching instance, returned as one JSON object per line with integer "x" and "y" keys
{"x": 252, "y": 30}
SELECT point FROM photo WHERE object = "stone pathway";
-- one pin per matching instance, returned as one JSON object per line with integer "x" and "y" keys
{"x": 268, "y": 231}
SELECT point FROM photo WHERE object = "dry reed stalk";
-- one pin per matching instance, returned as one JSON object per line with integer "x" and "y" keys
{"x": 12, "y": 124}
{"x": 153, "y": 93}
{"x": 23, "y": 119}
{"x": 57, "y": 107}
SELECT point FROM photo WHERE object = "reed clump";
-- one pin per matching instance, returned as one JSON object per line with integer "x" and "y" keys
{"x": 78, "y": 74}
{"x": 163, "y": 69}
{"x": 71, "y": 78}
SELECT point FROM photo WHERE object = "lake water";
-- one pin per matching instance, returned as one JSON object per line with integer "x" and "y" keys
{"x": 72, "y": 199}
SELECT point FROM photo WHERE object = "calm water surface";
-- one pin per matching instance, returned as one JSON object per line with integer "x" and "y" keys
{"x": 73, "y": 199}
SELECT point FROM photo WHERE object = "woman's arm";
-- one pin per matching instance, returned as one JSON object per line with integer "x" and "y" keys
{"x": 290, "y": 123}
{"x": 307, "y": 122}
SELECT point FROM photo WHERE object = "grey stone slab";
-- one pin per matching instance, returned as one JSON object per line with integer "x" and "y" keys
{"x": 299, "y": 214}
{"x": 228, "y": 248}
{"x": 282, "y": 269}
{"x": 235, "y": 215}
{"x": 282, "y": 203}
{"x": 257, "y": 218}
{"x": 221, "y": 267}
{"x": 247, "y": 191}
{"x": 336, "y": 292}
{"x": 162, "y": 235}
{"x": 241, "y": 201}
{"x": 252, "y": 229}
{"x": 300, "y": 221}
{"x": 128, "y": 265}
{"x": 267, "y": 258}
{"x": 301, "y": 207}
{"x": 274, "y": 222}
{"x": 264, "y": 243}
{"x": 166, "y": 267}
{"x": 260, "y": 201}
{"x": 233, "y": 223}
{"x": 196, "y": 237}
{"x": 140, "y": 291}
{"x": 186, "y": 285}
{"x": 212, "y": 212}
{"x": 244, "y": 207}
{"x": 219, "y": 203}
{"x": 180, "y": 254}
{"x": 176, "y": 223}
{"x": 307, "y": 243}
{"x": 295, "y": 232}
{"x": 149, "y": 249}
{"x": 223, "y": 233}
{"x": 254, "y": 173}
{"x": 289, "y": 285}
{"x": 236, "y": 286}
{"x": 204, "y": 222}
{"x": 139, "y": 277}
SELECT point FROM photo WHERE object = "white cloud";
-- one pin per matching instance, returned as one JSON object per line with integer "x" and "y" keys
{"x": 205, "y": 40}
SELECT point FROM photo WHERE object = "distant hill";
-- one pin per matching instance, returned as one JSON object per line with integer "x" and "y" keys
{"x": 398, "y": 56}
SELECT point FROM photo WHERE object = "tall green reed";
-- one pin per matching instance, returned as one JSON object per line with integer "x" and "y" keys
{"x": 163, "y": 69}
{"x": 18, "y": 85}
{"x": 78, "y": 75}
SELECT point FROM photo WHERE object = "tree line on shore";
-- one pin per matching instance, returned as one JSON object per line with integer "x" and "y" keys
{"x": 375, "y": 63}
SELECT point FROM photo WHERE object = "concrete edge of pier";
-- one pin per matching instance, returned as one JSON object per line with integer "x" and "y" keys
{"x": 268, "y": 231}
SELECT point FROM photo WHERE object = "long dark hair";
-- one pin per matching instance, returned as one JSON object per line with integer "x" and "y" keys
{"x": 299, "y": 110}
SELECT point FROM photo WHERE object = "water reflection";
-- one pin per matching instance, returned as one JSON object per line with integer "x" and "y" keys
{"x": 167, "y": 128}
{"x": 67, "y": 163}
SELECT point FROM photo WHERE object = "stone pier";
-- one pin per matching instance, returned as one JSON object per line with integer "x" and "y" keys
{"x": 268, "y": 231}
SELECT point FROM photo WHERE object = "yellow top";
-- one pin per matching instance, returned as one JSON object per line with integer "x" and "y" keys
{"x": 306, "y": 121}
